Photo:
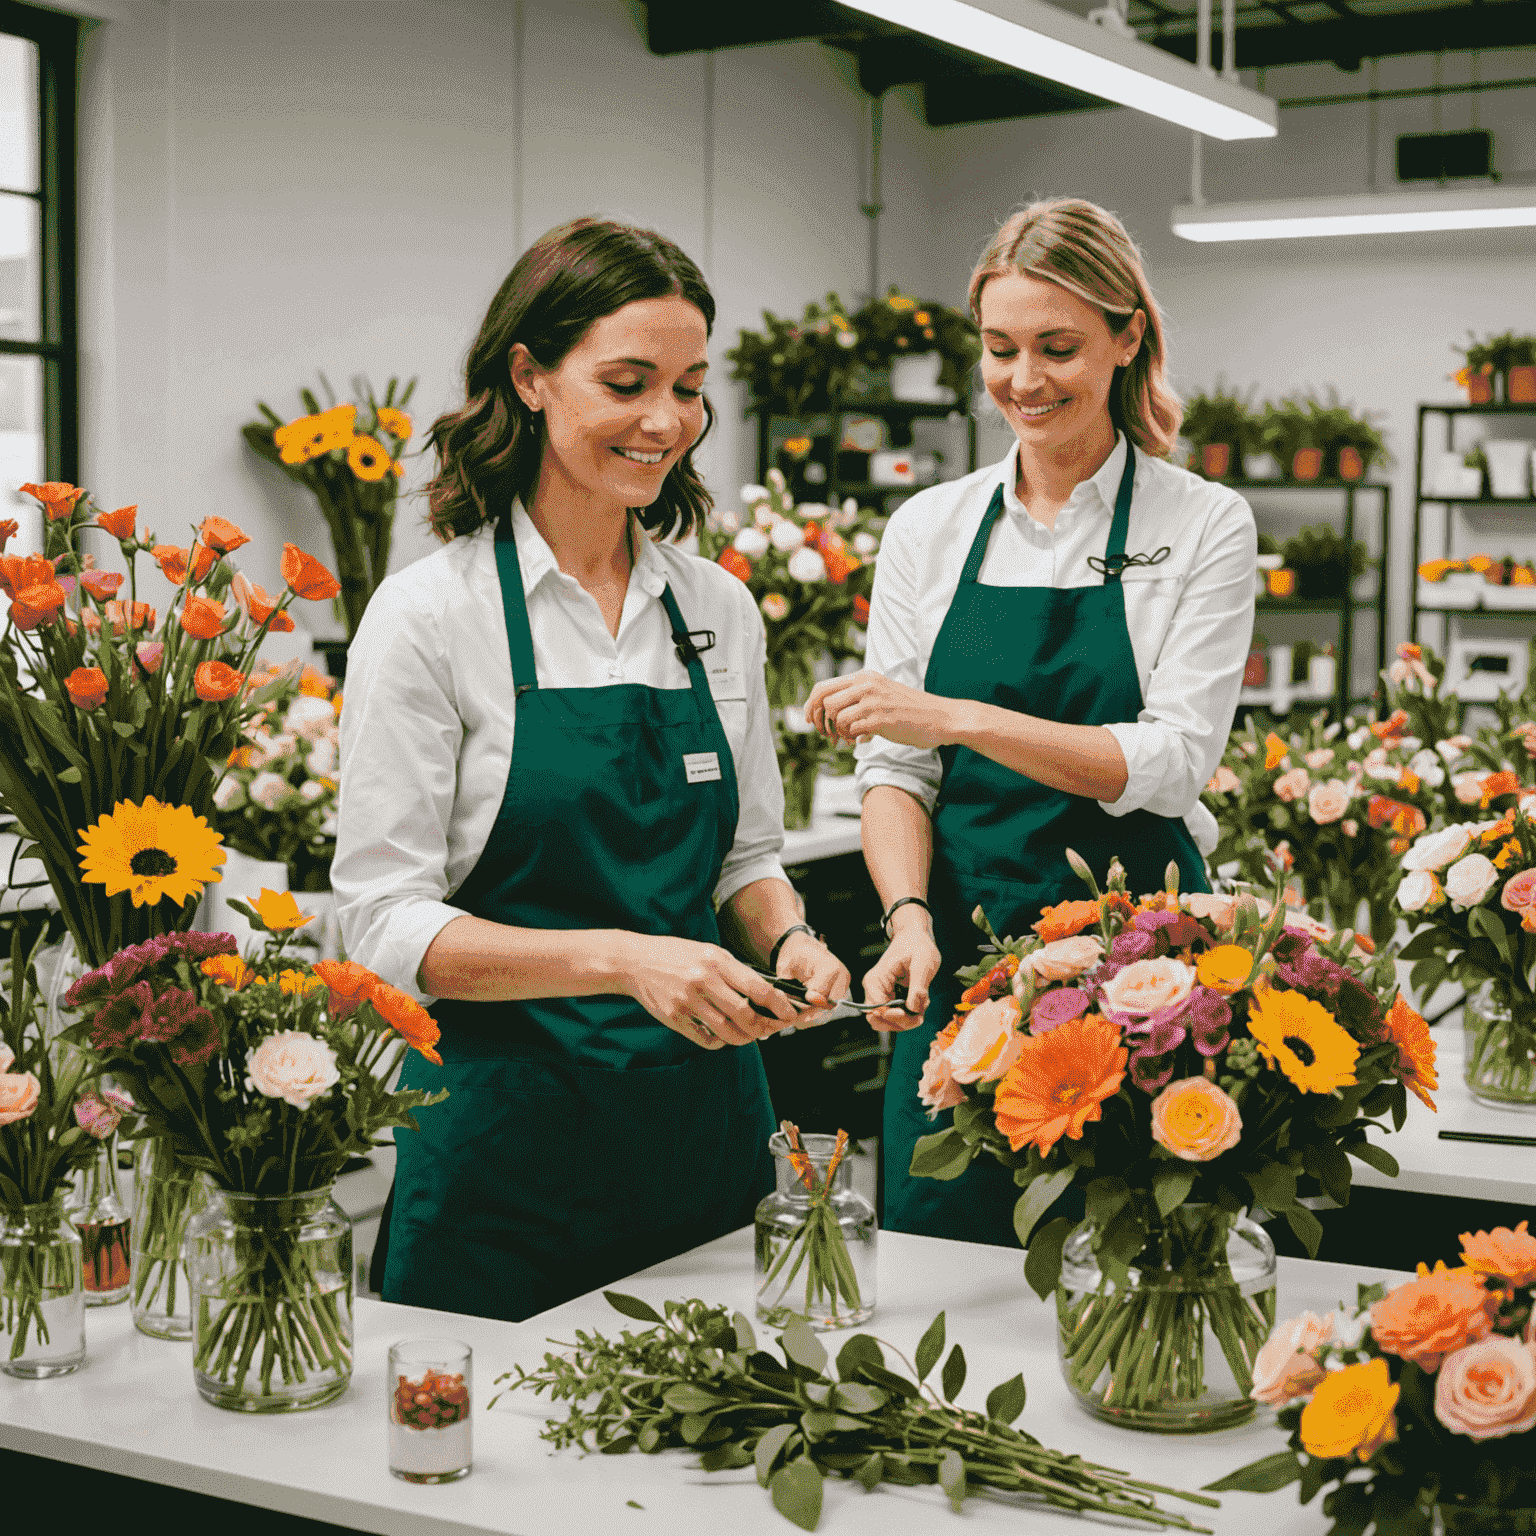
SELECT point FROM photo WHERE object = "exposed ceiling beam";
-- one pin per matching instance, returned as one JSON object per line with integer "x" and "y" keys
{"x": 949, "y": 100}
{"x": 699, "y": 26}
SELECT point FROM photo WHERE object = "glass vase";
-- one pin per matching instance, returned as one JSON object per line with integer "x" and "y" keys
{"x": 166, "y": 1195}
{"x": 1500, "y": 1061}
{"x": 1173, "y": 1350}
{"x": 42, "y": 1298}
{"x": 816, "y": 1237}
{"x": 271, "y": 1300}
{"x": 799, "y": 793}
{"x": 101, "y": 1217}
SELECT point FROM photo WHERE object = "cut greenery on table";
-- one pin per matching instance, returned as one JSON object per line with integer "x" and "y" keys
{"x": 696, "y": 1378}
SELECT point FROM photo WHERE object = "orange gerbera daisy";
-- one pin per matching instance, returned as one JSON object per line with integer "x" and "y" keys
{"x": 1060, "y": 1082}
{"x": 351, "y": 984}
{"x": 407, "y": 1018}
{"x": 1415, "y": 1049}
{"x": 1066, "y": 919}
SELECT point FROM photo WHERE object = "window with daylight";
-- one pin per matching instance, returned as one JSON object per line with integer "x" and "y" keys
{"x": 39, "y": 405}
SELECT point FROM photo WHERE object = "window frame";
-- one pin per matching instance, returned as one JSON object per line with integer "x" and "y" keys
{"x": 58, "y": 43}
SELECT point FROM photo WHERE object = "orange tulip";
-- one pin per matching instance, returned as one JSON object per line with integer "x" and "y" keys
{"x": 9, "y": 528}
{"x": 202, "y": 617}
{"x": 87, "y": 687}
{"x": 221, "y": 535}
{"x": 101, "y": 584}
{"x": 123, "y": 616}
{"x": 120, "y": 523}
{"x": 57, "y": 496}
{"x": 306, "y": 576}
{"x": 215, "y": 681}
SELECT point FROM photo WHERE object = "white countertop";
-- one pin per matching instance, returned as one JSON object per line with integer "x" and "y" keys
{"x": 133, "y": 1410}
{"x": 834, "y": 827}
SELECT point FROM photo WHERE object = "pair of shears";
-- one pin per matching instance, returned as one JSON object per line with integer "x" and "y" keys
{"x": 795, "y": 991}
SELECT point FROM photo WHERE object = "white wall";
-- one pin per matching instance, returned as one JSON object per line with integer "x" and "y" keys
{"x": 282, "y": 186}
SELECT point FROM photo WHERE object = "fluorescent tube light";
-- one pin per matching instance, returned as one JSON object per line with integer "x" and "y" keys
{"x": 1369, "y": 213}
{"x": 1040, "y": 39}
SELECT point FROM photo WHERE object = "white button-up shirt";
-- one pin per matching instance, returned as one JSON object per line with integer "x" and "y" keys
{"x": 426, "y": 734}
{"x": 1190, "y": 616}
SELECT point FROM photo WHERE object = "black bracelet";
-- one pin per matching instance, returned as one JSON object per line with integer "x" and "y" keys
{"x": 902, "y": 901}
{"x": 778, "y": 943}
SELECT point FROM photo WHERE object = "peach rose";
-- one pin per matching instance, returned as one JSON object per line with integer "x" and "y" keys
{"x": 1520, "y": 892}
{"x": 1468, "y": 787}
{"x": 1327, "y": 802}
{"x": 1219, "y": 910}
{"x": 7, "y": 1057}
{"x": 1146, "y": 986}
{"x": 1488, "y": 1389}
{"x": 19, "y": 1093}
{"x": 293, "y": 1066}
{"x": 988, "y": 1043}
{"x": 1065, "y": 958}
{"x": 1223, "y": 781}
{"x": 1318, "y": 759}
{"x": 937, "y": 1087}
{"x": 1425, "y": 1319}
{"x": 1511, "y": 1255}
{"x": 1195, "y": 1120}
{"x": 1293, "y": 785}
{"x": 1285, "y": 1368}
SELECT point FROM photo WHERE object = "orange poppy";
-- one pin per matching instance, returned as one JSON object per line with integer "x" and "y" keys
{"x": 9, "y": 528}
{"x": 861, "y": 609}
{"x": 123, "y": 616}
{"x": 1275, "y": 751}
{"x": 307, "y": 576}
{"x": 33, "y": 588}
{"x": 1497, "y": 784}
{"x": 119, "y": 523}
{"x": 219, "y": 534}
{"x": 350, "y": 985}
{"x": 279, "y": 911}
{"x": 1415, "y": 1049}
{"x": 407, "y": 1018}
{"x": 101, "y": 584}
{"x": 57, "y": 496}
{"x": 172, "y": 560}
{"x": 202, "y": 617}
{"x": 230, "y": 970}
{"x": 314, "y": 684}
{"x": 215, "y": 681}
{"x": 87, "y": 687}
{"x": 1070, "y": 917}
{"x": 736, "y": 563}
{"x": 1060, "y": 1082}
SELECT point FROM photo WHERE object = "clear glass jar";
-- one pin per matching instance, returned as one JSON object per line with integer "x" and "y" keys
{"x": 1500, "y": 1061}
{"x": 1174, "y": 1350}
{"x": 430, "y": 1386}
{"x": 271, "y": 1300}
{"x": 166, "y": 1196}
{"x": 815, "y": 1249}
{"x": 42, "y": 1298}
{"x": 101, "y": 1217}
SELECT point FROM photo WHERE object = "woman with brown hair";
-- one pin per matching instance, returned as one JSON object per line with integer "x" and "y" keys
{"x": 557, "y": 764}
{"x": 1056, "y": 645}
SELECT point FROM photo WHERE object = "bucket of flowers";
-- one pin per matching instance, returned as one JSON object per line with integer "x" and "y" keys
{"x": 1181, "y": 1059}
{"x": 265, "y": 1074}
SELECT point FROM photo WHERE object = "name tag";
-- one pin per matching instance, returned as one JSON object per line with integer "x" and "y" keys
{"x": 701, "y": 767}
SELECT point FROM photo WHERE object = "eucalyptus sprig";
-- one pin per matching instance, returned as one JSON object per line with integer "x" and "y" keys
{"x": 696, "y": 1379}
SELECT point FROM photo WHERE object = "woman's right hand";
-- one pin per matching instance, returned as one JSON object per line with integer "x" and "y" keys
{"x": 912, "y": 960}
{"x": 703, "y": 992}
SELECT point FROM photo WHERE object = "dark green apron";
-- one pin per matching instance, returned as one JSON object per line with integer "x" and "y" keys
{"x": 1000, "y": 838}
{"x": 582, "y": 1140}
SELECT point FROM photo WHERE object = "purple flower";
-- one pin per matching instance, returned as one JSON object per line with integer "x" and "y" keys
{"x": 115, "y": 1024}
{"x": 1131, "y": 945}
{"x": 1210, "y": 1021}
{"x": 204, "y": 946}
{"x": 167, "y": 1016}
{"x": 1150, "y": 922}
{"x": 1058, "y": 1007}
{"x": 91, "y": 987}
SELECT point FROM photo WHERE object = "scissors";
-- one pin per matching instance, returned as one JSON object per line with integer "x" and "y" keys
{"x": 795, "y": 990}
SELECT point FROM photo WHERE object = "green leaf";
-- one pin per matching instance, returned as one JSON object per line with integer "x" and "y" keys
{"x": 952, "y": 1478}
{"x": 1481, "y": 921}
{"x": 796, "y": 1490}
{"x": 953, "y": 1378}
{"x": 856, "y": 1397}
{"x": 1267, "y": 1475}
{"x": 1378, "y": 1157}
{"x": 769, "y": 1448}
{"x": 1037, "y": 1199}
{"x": 861, "y": 1350}
{"x": 1042, "y": 1264}
{"x": 802, "y": 1346}
{"x": 630, "y": 1306}
{"x": 631, "y": 1504}
{"x": 944, "y": 1155}
{"x": 871, "y": 1471}
{"x": 1005, "y": 1402}
{"x": 1329, "y": 1165}
{"x": 1274, "y": 1186}
{"x": 930, "y": 1347}
{"x": 746, "y": 1339}
{"x": 685, "y": 1397}
{"x": 1306, "y": 1226}
{"x": 1105, "y": 1198}
{"x": 1171, "y": 1184}
{"x": 69, "y": 775}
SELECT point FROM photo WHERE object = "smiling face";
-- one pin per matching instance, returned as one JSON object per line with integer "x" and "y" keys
{"x": 1049, "y": 361}
{"x": 624, "y": 404}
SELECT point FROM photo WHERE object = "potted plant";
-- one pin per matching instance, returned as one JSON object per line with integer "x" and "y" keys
{"x": 1507, "y": 361}
{"x": 1287, "y": 430}
{"x": 1520, "y": 379}
{"x": 799, "y": 366}
{"x": 1325, "y": 565}
{"x": 1220, "y": 428}
{"x": 898, "y": 327}
{"x": 1350, "y": 444}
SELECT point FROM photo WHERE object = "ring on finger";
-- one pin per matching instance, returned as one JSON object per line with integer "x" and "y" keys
{"x": 704, "y": 1029}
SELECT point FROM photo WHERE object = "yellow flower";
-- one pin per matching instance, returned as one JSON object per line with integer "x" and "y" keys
{"x": 1225, "y": 969}
{"x": 797, "y": 447}
{"x": 151, "y": 851}
{"x": 1303, "y": 1039}
{"x": 279, "y": 911}
{"x": 1350, "y": 1413}
{"x": 1274, "y": 751}
{"x": 299, "y": 983}
{"x": 230, "y": 970}
{"x": 367, "y": 458}
{"x": 396, "y": 423}
{"x": 306, "y": 437}
{"x": 899, "y": 301}
{"x": 314, "y": 684}
{"x": 922, "y": 317}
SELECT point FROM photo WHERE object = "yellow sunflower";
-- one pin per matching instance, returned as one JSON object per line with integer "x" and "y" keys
{"x": 368, "y": 458}
{"x": 1303, "y": 1039}
{"x": 152, "y": 851}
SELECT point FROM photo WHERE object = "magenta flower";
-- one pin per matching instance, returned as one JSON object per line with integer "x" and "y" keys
{"x": 1058, "y": 1007}
{"x": 94, "y": 1115}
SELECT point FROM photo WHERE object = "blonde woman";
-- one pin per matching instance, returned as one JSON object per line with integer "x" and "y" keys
{"x": 1056, "y": 645}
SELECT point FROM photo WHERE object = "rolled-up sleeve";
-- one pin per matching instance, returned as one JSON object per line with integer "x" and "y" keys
{"x": 400, "y": 740}
{"x": 1173, "y": 746}
{"x": 892, "y": 650}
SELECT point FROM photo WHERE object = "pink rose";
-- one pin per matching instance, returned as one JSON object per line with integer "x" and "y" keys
{"x": 1195, "y": 1120}
{"x": 1319, "y": 759}
{"x": 94, "y": 1114}
{"x": 1488, "y": 1389}
{"x": 18, "y": 1096}
{"x": 1285, "y": 1368}
{"x": 1146, "y": 986}
{"x": 149, "y": 654}
{"x": 1219, "y": 910}
{"x": 937, "y": 1087}
{"x": 1520, "y": 892}
{"x": 989, "y": 1042}
{"x": 293, "y": 1066}
{"x": 1292, "y": 785}
{"x": 1065, "y": 959}
{"x": 1224, "y": 781}
{"x": 1351, "y": 827}
{"x": 1328, "y": 802}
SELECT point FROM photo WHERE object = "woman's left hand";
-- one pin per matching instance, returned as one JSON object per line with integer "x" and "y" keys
{"x": 824, "y": 976}
{"x": 870, "y": 704}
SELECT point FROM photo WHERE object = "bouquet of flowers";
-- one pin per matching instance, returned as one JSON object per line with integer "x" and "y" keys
{"x": 1420, "y": 1396}
{"x": 277, "y": 799}
{"x": 115, "y": 723}
{"x": 1179, "y": 1059}
{"x": 899, "y": 325}
{"x": 798, "y": 365}
{"x": 348, "y": 456}
{"x": 265, "y": 1075}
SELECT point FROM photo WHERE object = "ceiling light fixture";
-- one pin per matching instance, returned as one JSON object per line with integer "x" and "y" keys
{"x": 1369, "y": 213}
{"x": 1040, "y": 39}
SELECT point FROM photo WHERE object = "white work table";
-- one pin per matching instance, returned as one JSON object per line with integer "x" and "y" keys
{"x": 834, "y": 827}
{"x": 133, "y": 1410}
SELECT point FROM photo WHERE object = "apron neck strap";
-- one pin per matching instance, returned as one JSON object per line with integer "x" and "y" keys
{"x": 515, "y": 606}
{"x": 688, "y": 648}
{"x": 1114, "y": 550}
{"x": 978, "y": 552}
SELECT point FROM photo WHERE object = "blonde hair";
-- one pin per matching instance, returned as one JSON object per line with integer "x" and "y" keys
{"x": 1085, "y": 249}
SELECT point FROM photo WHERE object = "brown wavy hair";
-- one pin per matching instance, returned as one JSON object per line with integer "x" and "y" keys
{"x": 1086, "y": 249}
{"x": 488, "y": 450}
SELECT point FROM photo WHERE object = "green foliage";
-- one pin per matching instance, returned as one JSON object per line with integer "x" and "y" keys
{"x": 1222, "y": 416}
{"x": 1325, "y": 565}
{"x": 899, "y": 325}
{"x": 1500, "y": 353}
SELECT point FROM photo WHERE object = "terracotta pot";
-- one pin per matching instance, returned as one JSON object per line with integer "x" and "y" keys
{"x": 1216, "y": 460}
{"x": 1281, "y": 583}
{"x": 1480, "y": 389}
{"x": 1351, "y": 464}
{"x": 1522, "y": 385}
{"x": 1307, "y": 464}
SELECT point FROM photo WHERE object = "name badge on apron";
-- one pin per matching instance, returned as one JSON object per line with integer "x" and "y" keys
{"x": 701, "y": 767}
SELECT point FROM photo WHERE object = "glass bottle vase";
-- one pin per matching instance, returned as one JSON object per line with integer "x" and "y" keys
{"x": 1173, "y": 1350}
{"x": 815, "y": 1241}
{"x": 166, "y": 1195}
{"x": 271, "y": 1300}
{"x": 1500, "y": 1061}
{"x": 101, "y": 1216}
{"x": 42, "y": 1298}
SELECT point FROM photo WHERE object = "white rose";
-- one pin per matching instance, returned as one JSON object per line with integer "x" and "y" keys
{"x": 1146, "y": 986}
{"x": 1427, "y": 765}
{"x": 807, "y": 565}
{"x": 751, "y": 542}
{"x": 729, "y": 522}
{"x": 1453, "y": 747}
{"x": 813, "y": 512}
{"x": 751, "y": 494}
{"x": 1437, "y": 849}
{"x": 1469, "y": 880}
{"x": 1318, "y": 759}
{"x": 292, "y": 1066}
{"x": 269, "y": 790}
{"x": 1419, "y": 890}
{"x": 312, "y": 790}
{"x": 322, "y": 757}
{"x": 786, "y": 536}
{"x": 226, "y": 797}
{"x": 1356, "y": 739}
{"x": 865, "y": 544}
{"x": 309, "y": 717}
{"x": 329, "y": 825}
{"x": 762, "y": 516}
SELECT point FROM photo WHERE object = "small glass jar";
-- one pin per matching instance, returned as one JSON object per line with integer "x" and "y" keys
{"x": 166, "y": 1195}
{"x": 271, "y": 1300}
{"x": 42, "y": 1300}
{"x": 100, "y": 1215}
{"x": 1500, "y": 1062}
{"x": 430, "y": 1385}
{"x": 816, "y": 1240}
